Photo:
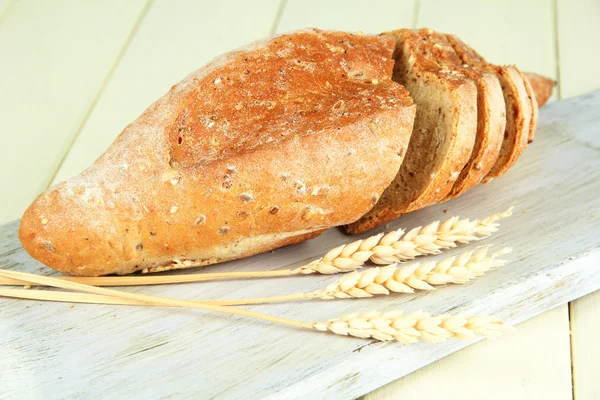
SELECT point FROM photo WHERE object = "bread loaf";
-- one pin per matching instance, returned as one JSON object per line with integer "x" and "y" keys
{"x": 263, "y": 147}
{"x": 445, "y": 126}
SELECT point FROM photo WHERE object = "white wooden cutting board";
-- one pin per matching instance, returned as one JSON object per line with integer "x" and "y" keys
{"x": 60, "y": 351}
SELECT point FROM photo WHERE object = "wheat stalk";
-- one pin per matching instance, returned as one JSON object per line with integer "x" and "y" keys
{"x": 383, "y": 280}
{"x": 413, "y": 327}
{"x": 380, "y": 326}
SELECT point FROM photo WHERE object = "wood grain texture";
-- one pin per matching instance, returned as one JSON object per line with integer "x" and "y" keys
{"x": 58, "y": 54}
{"x": 487, "y": 370}
{"x": 169, "y": 44}
{"x": 86, "y": 351}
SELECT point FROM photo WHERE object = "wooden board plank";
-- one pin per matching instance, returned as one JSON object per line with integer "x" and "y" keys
{"x": 170, "y": 43}
{"x": 532, "y": 28}
{"x": 585, "y": 323}
{"x": 57, "y": 54}
{"x": 368, "y": 16}
{"x": 577, "y": 33}
{"x": 101, "y": 349}
{"x": 487, "y": 370}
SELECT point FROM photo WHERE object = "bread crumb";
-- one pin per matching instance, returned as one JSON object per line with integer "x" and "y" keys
{"x": 446, "y": 212}
{"x": 27, "y": 287}
{"x": 374, "y": 81}
{"x": 524, "y": 211}
{"x": 217, "y": 81}
{"x": 44, "y": 221}
{"x": 174, "y": 209}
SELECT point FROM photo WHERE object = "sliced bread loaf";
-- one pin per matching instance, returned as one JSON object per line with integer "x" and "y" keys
{"x": 445, "y": 126}
{"x": 519, "y": 107}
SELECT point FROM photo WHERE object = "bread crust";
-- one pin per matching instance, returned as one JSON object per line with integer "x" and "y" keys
{"x": 445, "y": 126}
{"x": 263, "y": 147}
{"x": 542, "y": 87}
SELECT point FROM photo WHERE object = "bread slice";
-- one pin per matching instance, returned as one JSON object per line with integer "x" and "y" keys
{"x": 491, "y": 123}
{"x": 542, "y": 87}
{"x": 445, "y": 126}
{"x": 263, "y": 147}
{"x": 519, "y": 107}
{"x": 534, "y": 107}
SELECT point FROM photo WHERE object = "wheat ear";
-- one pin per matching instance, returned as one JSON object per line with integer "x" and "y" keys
{"x": 384, "y": 327}
{"x": 383, "y": 280}
{"x": 413, "y": 327}
{"x": 396, "y": 246}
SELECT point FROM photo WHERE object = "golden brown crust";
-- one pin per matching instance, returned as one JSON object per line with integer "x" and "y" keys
{"x": 542, "y": 87}
{"x": 223, "y": 193}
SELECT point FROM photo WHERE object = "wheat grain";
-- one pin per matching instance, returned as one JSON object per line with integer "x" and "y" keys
{"x": 413, "y": 327}
{"x": 398, "y": 246}
{"x": 380, "y": 326}
{"x": 383, "y": 280}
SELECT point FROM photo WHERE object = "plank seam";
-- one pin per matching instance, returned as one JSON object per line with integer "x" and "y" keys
{"x": 101, "y": 90}
{"x": 277, "y": 19}
{"x": 571, "y": 350}
{"x": 557, "y": 47}
{"x": 416, "y": 12}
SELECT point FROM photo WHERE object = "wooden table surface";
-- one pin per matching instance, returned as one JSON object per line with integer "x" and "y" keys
{"x": 74, "y": 73}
